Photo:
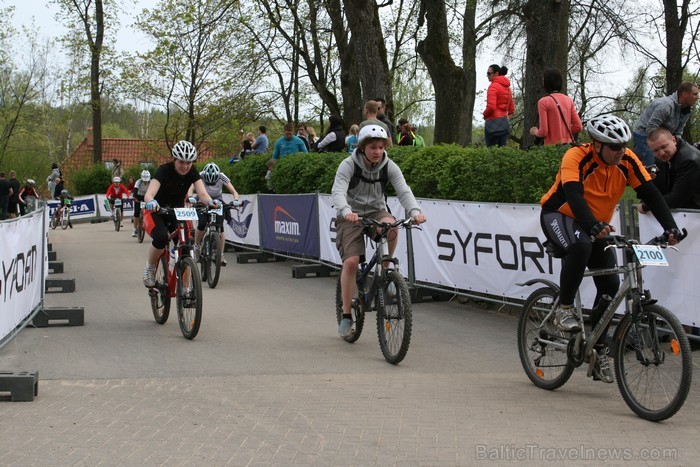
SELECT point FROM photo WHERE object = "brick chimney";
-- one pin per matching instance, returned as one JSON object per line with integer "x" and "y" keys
{"x": 89, "y": 137}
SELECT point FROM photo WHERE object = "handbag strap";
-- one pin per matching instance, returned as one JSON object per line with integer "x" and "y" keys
{"x": 571, "y": 135}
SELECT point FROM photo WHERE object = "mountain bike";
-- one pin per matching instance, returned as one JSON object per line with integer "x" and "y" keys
{"x": 117, "y": 213}
{"x": 653, "y": 365}
{"x": 382, "y": 289}
{"x": 177, "y": 275}
{"x": 61, "y": 215}
{"x": 210, "y": 251}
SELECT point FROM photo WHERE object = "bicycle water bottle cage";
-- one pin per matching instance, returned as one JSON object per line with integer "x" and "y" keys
{"x": 554, "y": 250}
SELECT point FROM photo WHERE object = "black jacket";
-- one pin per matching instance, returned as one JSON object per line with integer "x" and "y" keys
{"x": 679, "y": 179}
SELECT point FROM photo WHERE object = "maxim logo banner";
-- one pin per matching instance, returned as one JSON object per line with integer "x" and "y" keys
{"x": 289, "y": 224}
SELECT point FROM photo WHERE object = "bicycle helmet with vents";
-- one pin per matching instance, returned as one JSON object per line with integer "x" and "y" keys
{"x": 609, "y": 129}
{"x": 116, "y": 180}
{"x": 372, "y": 131}
{"x": 211, "y": 173}
{"x": 146, "y": 176}
{"x": 185, "y": 151}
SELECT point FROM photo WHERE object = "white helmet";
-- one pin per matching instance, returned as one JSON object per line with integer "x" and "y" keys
{"x": 146, "y": 176}
{"x": 116, "y": 180}
{"x": 31, "y": 181}
{"x": 609, "y": 129}
{"x": 185, "y": 151}
{"x": 211, "y": 173}
{"x": 372, "y": 131}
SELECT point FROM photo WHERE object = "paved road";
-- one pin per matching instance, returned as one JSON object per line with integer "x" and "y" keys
{"x": 268, "y": 382}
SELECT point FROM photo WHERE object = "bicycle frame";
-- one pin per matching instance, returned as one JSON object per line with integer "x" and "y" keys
{"x": 376, "y": 265}
{"x": 181, "y": 233}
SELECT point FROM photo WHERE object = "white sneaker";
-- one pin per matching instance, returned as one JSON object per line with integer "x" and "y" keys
{"x": 133, "y": 234}
{"x": 149, "y": 276}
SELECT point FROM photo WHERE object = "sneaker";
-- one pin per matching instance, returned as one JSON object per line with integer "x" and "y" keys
{"x": 134, "y": 233}
{"x": 149, "y": 276}
{"x": 565, "y": 320}
{"x": 223, "y": 263}
{"x": 345, "y": 327}
{"x": 601, "y": 369}
{"x": 391, "y": 290}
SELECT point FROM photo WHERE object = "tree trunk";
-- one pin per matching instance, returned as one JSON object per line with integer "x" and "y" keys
{"x": 452, "y": 120}
{"x": 349, "y": 84}
{"x": 95, "y": 91}
{"x": 675, "y": 30}
{"x": 368, "y": 42}
{"x": 546, "y": 27}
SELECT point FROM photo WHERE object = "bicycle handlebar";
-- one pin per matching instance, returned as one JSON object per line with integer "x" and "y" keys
{"x": 620, "y": 241}
{"x": 406, "y": 223}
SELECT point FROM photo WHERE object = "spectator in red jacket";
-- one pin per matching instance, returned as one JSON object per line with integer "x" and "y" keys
{"x": 559, "y": 121}
{"x": 499, "y": 105}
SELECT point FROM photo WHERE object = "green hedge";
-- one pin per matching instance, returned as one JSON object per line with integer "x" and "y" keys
{"x": 505, "y": 175}
{"x": 452, "y": 172}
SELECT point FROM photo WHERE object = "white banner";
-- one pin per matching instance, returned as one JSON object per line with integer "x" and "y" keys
{"x": 21, "y": 256}
{"x": 676, "y": 286}
{"x": 329, "y": 253}
{"x": 486, "y": 248}
{"x": 106, "y": 211}
{"x": 244, "y": 226}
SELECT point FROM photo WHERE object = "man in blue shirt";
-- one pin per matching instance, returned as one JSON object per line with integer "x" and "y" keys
{"x": 287, "y": 144}
{"x": 261, "y": 142}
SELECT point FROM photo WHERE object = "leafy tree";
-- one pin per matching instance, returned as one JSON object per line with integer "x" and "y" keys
{"x": 89, "y": 15}
{"x": 198, "y": 71}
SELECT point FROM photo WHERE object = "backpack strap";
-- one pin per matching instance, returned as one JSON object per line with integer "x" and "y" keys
{"x": 357, "y": 177}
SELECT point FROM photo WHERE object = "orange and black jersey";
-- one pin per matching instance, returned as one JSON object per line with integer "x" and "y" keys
{"x": 602, "y": 184}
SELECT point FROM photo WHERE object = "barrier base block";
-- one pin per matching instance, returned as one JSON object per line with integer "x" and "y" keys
{"x": 55, "y": 267}
{"x": 420, "y": 294}
{"x": 258, "y": 257}
{"x": 23, "y": 386}
{"x": 74, "y": 315}
{"x": 52, "y": 255}
{"x": 302, "y": 271}
{"x": 65, "y": 285}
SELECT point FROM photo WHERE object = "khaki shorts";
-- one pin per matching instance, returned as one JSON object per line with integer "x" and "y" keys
{"x": 349, "y": 238}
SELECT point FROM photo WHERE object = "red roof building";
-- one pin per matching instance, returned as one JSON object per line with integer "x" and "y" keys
{"x": 128, "y": 151}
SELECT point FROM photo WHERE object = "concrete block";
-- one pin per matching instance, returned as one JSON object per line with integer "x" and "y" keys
{"x": 52, "y": 255}
{"x": 258, "y": 257}
{"x": 55, "y": 267}
{"x": 302, "y": 271}
{"x": 64, "y": 285}
{"x": 74, "y": 315}
{"x": 23, "y": 386}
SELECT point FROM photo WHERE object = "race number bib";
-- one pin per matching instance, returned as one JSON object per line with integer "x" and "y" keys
{"x": 219, "y": 211}
{"x": 650, "y": 255}
{"x": 186, "y": 214}
{"x": 117, "y": 202}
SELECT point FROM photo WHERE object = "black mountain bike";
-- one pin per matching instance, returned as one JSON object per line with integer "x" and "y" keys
{"x": 382, "y": 289}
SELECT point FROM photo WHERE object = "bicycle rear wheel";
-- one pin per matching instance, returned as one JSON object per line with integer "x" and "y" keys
{"x": 653, "y": 365}
{"x": 65, "y": 218}
{"x": 356, "y": 310}
{"x": 214, "y": 259}
{"x": 189, "y": 298}
{"x": 394, "y": 317}
{"x": 117, "y": 219}
{"x": 160, "y": 298}
{"x": 545, "y": 364}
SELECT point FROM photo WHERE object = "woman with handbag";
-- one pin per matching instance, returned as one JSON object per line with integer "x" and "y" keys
{"x": 559, "y": 121}
{"x": 499, "y": 105}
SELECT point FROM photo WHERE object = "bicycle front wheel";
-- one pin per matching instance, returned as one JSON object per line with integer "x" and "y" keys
{"x": 117, "y": 219}
{"x": 356, "y": 310}
{"x": 54, "y": 219}
{"x": 394, "y": 317}
{"x": 214, "y": 260}
{"x": 541, "y": 345}
{"x": 653, "y": 365}
{"x": 141, "y": 232}
{"x": 189, "y": 298}
{"x": 160, "y": 298}
{"x": 65, "y": 218}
